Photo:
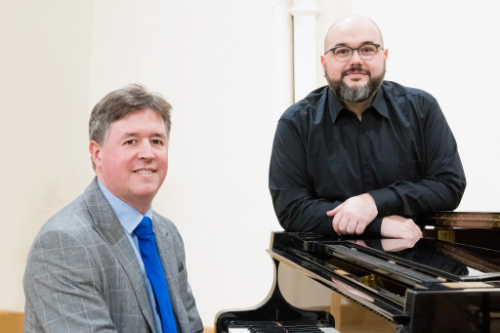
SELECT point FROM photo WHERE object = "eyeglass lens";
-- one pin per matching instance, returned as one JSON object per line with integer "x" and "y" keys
{"x": 365, "y": 52}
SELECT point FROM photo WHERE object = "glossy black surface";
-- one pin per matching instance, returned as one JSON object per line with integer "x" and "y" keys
{"x": 275, "y": 309}
{"x": 432, "y": 257}
{"x": 454, "y": 311}
{"x": 457, "y": 259}
{"x": 429, "y": 286}
{"x": 447, "y": 287}
{"x": 297, "y": 326}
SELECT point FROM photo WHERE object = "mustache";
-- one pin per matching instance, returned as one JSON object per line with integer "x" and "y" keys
{"x": 358, "y": 70}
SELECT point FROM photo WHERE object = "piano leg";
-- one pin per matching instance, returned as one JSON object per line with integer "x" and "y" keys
{"x": 273, "y": 308}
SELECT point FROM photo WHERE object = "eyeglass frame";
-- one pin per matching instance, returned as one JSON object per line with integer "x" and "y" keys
{"x": 378, "y": 46}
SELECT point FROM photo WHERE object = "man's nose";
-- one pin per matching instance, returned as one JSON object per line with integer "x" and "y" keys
{"x": 355, "y": 59}
{"x": 146, "y": 150}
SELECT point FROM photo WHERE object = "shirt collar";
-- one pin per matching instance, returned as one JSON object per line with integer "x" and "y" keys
{"x": 128, "y": 216}
{"x": 336, "y": 105}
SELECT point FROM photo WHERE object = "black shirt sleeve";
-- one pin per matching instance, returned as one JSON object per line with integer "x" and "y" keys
{"x": 402, "y": 152}
{"x": 295, "y": 206}
{"x": 443, "y": 179}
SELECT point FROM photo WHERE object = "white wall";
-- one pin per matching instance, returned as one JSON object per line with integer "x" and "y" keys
{"x": 211, "y": 60}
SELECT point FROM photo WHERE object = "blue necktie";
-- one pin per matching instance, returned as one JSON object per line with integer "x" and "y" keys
{"x": 154, "y": 270}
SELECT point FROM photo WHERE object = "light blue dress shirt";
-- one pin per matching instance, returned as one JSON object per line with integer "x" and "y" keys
{"x": 129, "y": 219}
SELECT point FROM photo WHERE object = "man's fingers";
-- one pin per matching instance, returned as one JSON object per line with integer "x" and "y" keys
{"x": 419, "y": 232}
{"x": 336, "y": 221}
{"x": 416, "y": 230}
{"x": 344, "y": 222}
{"x": 360, "y": 228}
{"x": 334, "y": 211}
{"x": 352, "y": 226}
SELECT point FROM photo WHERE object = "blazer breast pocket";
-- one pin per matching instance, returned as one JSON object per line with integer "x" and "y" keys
{"x": 411, "y": 171}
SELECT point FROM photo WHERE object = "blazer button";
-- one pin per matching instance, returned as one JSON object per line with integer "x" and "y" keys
{"x": 365, "y": 163}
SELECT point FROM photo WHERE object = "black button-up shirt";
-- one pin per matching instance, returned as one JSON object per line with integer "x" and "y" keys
{"x": 402, "y": 152}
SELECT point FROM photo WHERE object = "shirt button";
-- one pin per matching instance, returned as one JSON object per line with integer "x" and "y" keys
{"x": 365, "y": 163}
{"x": 363, "y": 132}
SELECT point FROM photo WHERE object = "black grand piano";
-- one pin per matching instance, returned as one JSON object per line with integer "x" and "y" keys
{"x": 448, "y": 281}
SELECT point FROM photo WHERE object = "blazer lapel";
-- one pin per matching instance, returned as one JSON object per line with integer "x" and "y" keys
{"x": 166, "y": 250}
{"x": 107, "y": 225}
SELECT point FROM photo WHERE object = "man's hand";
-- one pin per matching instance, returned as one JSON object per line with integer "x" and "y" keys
{"x": 400, "y": 227}
{"x": 354, "y": 215}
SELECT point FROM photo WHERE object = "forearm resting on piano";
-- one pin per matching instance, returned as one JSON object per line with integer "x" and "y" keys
{"x": 396, "y": 226}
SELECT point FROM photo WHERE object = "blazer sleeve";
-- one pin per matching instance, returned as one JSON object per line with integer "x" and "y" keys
{"x": 195, "y": 323}
{"x": 62, "y": 288}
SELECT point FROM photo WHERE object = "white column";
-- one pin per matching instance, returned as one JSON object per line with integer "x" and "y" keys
{"x": 282, "y": 66}
{"x": 282, "y": 58}
{"x": 304, "y": 44}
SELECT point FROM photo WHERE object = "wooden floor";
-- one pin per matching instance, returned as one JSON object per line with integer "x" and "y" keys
{"x": 11, "y": 322}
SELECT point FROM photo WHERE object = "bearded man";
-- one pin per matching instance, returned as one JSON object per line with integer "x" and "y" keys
{"x": 362, "y": 155}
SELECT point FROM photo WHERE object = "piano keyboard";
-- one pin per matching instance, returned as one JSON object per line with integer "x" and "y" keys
{"x": 300, "y": 326}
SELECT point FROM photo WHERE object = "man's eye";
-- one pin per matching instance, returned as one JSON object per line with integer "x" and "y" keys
{"x": 158, "y": 142}
{"x": 129, "y": 142}
{"x": 342, "y": 51}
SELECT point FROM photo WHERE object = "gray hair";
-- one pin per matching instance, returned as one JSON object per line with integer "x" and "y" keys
{"x": 119, "y": 103}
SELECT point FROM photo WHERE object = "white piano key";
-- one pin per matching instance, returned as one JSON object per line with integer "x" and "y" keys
{"x": 238, "y": 330}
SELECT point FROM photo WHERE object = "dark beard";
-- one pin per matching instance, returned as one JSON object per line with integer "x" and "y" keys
{"x": 358, "y": 94}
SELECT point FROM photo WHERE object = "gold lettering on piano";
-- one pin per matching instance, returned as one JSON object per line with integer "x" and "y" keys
{"x": 468, "y": 285}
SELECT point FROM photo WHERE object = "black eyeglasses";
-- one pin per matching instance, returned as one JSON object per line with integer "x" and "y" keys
{"x": 366, "y": 52}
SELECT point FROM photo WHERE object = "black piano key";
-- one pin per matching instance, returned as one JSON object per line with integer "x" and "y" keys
{"x": 266, "y": 329}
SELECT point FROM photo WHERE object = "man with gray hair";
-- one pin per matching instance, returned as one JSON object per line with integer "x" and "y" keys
{"x": 362, "y": 155}
{"x": 107, "y": 262}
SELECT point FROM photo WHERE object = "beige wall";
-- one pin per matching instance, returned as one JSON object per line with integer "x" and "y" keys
{"x": 44, "y": 94}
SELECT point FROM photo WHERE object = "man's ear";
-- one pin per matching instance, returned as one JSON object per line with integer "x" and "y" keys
{"x": 386, "y": 53}
{"x": 322, "y": 60}
{"x": 95, "y": 152}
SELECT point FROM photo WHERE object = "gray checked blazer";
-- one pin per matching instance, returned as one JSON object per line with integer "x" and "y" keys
{"x": 82, "y": 274}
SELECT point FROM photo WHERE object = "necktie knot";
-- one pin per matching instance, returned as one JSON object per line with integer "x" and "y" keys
{"x": 144, "y": 228}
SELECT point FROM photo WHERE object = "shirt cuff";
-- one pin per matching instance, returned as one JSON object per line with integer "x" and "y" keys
{"x": 387, "y": 201}
{"x": 327, "y": 225}
{"x": 373, "y": 229}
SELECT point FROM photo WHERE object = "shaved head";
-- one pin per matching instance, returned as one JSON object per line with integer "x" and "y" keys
{"x": 349, "y": 25}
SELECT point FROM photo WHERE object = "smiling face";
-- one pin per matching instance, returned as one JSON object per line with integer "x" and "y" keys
{"x": 357, "y": 78}
{"x": 133, "y": 162}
